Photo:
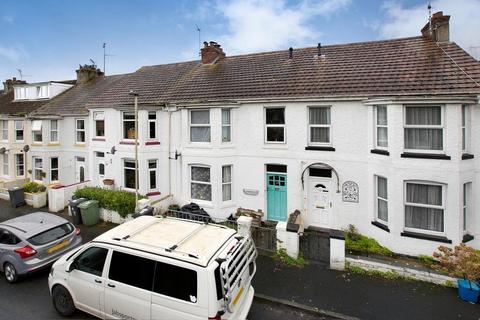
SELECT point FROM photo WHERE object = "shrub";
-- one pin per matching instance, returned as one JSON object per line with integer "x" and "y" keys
{"x": 120, "y": 201}
{"x": 283, "y": 257}
{"x": 33, "y": 187}
{"x": 462, "y": 261}
{"x": 354, "y": 241}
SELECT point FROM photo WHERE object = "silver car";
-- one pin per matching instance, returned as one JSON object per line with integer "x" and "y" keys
{"x": 34, "y": 241}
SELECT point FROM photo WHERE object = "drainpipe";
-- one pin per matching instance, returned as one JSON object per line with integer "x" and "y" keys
{"x": 169, "y": 150}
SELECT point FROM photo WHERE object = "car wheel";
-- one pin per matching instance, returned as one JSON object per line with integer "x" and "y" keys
{"x": 11, "y": 274}
{"x": 62, "y": 301}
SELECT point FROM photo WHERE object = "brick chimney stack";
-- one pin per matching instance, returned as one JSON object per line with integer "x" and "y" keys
{"x": 438, "y": 28}
{"x": 9, "y": 83}
{"x": 211, "y": 52}
{"x": 88, "y": 73}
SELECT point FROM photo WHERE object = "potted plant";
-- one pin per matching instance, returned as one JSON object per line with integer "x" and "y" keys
{"x": 461, "y": 262}
{"x": 35, "y": 194}
{"x": 131, "y": 133}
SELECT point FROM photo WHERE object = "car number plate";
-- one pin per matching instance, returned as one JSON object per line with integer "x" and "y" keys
{"x": 58, "y": 246}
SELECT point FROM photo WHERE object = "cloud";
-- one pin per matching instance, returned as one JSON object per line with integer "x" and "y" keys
{"x": 13, "y": 53}
{"x": 262, "y": 25}
{"x": 403, "y": 21}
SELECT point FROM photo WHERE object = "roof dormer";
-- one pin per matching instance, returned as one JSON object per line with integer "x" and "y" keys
{"x": 39, "y": 91}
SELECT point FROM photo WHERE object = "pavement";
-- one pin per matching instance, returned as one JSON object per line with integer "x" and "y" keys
{"x": 316, "y": 292}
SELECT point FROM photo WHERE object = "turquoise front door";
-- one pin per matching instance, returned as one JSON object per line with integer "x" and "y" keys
{"x": 276, "y": 196}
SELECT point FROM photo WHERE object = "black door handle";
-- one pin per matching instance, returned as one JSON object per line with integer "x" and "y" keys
{"x": 98, "y": 281}
{"x": 111, "y": 285}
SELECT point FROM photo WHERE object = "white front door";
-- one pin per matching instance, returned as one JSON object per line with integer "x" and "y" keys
{"x": 79, "y": 169}
{"x": 319, "y": 202}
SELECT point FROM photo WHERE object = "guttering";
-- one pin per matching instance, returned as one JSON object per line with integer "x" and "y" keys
{"x": 471, "y": 99}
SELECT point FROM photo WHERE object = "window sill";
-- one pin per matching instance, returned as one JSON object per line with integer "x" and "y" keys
{"x": 320, "y": 148}
{"x": 128, "y": 142}
{"x": 99, "y": 139}
{"x": 153, "y": 193}
{"x": 55, "y": 144}
{"x": 82, "y": 145}
{"x": 467, "y": 156}
{"x": 381, "y": 226}
{"x": 425, "y": 236}
{"x": 379, "y": 151}
{"x": 425, "y": 156}
{"x": 467, "y": 237}
{"x": 152, "y": 143}
{"x": 37, "y": 144}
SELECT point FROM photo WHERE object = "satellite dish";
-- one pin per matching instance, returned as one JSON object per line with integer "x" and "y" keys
{"x": 3, "y": 150}
{"x": 26, "y": 148}
{"x": 112, "y": 151}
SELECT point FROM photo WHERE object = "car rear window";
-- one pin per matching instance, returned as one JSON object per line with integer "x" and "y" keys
{"x": 51, "y": 234}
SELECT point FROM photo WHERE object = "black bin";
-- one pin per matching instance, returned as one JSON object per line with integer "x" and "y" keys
{"x": 75, "y": 210}
{"x": 147, "y": 211}
{"x": 17, "y": 197}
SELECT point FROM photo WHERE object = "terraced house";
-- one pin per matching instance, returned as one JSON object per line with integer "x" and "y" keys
{"x": 380, "y": 134}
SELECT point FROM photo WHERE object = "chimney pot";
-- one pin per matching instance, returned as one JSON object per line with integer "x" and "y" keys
{"x": 290, "y": 53}
{"x": 9, "y": 83}
{"x": 211, "y": 52}
{"x": 88, "y": 73}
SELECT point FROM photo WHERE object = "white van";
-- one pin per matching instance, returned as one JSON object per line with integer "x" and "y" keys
{"x": 158, "y": 268}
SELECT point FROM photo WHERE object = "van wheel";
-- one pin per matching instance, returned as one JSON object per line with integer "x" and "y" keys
{"x": 62, "y": 301}
{"x": 11, "y": 274}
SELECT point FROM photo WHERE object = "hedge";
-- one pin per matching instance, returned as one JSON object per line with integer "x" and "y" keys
{"x": 33, "y": 187}
{"x": 120, "y": 201}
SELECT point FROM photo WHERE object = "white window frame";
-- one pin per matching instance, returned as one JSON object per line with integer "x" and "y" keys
{"x": 228, "y": 183}
{"x": 122, "y": 134}
{"x": 329, "y": 126}
{"x": 377, "y": 197}
{"x": 201, "y": 125}
{"x": 54, "y": 132}
{"x": 441, "y": 126}
{"x": 20, "y": 93}
{"x": 200, "y": 182}
{"x": 377, "y": 126}
{"x": 266, "y": 126}
{"x": 100, "y": 160}
{"x": 52, "y": 169}
{"x": 227, "y": 125}
{"x": 466, "y": 205}
{"x": 36, "y": 169}
{"x": 37, "y": 133}
{"x": 17, "y": 166}
{"x": 77, "y": 131}
{"x": 5, "y": 165}
{"x": 466, "y": 135}
{"x": 442, "y": 207}
{"x": 17, "y": 130}
{"x": 150, "y": 122}
{"x": 129, "y": 168}
{"x": 156, "y": 174}
{"x": 98, "y": 116}
{"x": 4, "y": 125}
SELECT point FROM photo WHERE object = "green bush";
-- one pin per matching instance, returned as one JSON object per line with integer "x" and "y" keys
{"x": 282, "y": 256}
{"x": 120, "y": 201}
{"x": 33, "y": 187}
{"x": 363, "y": 244}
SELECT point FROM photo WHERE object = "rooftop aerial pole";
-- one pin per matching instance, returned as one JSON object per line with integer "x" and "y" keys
{"x": 430, "y": 18}
{"x": 199, "y": 41}
{"x": 104, "y": 45}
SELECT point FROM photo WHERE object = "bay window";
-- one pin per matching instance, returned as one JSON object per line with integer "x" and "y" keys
{"x": 5, "y": 166}
{"x": 200, "y": 184}
{"x": 424, "y": 206}
{"x": 54, "y": 169}
{"x": 465, "y": 128}
{"x": 275, "y": 125}
{"x": 19, "y": 165}
{"x": 152, "y": 125}
{"x": 200, "y": 126}
{"x": 466, "y": 203}
{"x": 319, "y": 125}
{"x": 37, "y": 168}
{"x": 423, "y": 128}
{"x": 152, "y": 174}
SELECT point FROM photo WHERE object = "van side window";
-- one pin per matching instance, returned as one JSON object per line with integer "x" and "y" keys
{"x": 176, "y": 282}
{"x": 91, "y": 260}
{"x": 132, "y": 270}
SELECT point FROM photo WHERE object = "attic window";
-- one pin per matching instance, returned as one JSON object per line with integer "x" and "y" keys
{"x": 37, "y": 130}
{"x": 42, "y": 91}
